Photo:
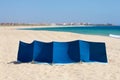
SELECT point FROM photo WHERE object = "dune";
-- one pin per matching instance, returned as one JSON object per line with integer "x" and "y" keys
{"x": 10, "y": 70}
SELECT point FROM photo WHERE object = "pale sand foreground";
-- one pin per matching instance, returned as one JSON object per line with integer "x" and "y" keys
{"x": 9, "y": 41}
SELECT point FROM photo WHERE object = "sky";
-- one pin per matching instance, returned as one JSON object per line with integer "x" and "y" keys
{"x": 60, "y": 11}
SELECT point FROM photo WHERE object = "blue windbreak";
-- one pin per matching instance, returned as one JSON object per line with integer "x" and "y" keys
{"x": 62, "y": 52}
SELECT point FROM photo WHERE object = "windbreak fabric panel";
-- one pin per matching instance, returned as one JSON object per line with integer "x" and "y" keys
{"x": 25, "y": 52}
{"x": 60, "y": 52}
{"x": 97, "y": 52}
{"x": 43, "y": 52}
{"x": 74, "y": 51}
{"x": 92, "y": 52}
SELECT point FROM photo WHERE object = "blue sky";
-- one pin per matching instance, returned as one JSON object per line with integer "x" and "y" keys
{"x": 50, "y": 11}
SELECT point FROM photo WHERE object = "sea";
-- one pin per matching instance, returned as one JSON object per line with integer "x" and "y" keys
{"x": 91, "y": 30}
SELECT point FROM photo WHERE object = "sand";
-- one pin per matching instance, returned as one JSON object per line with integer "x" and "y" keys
{"x": 9, "y": 42}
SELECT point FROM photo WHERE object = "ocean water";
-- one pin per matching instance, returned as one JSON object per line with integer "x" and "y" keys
{"x": 92, "y": 30}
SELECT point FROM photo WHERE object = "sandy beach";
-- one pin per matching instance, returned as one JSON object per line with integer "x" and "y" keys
{"x": 9, "y": 42}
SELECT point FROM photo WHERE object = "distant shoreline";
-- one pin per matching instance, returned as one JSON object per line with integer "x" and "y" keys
{"x": 56, "y": 25}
